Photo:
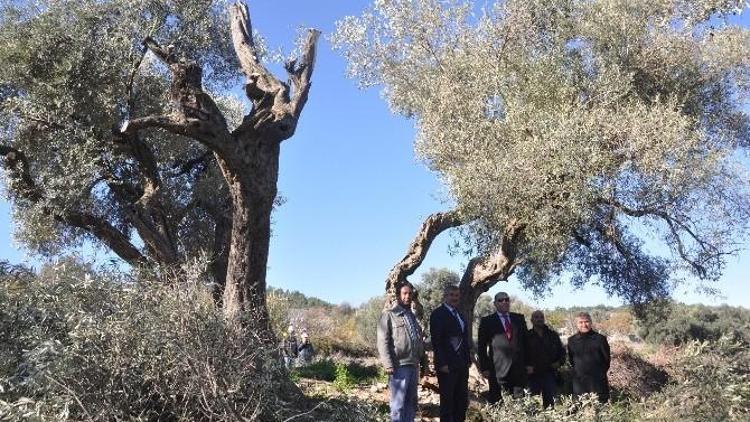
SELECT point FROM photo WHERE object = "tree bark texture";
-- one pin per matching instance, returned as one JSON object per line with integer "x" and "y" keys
{"x": 248, "y": 156}
{"x": 416, "y": 253}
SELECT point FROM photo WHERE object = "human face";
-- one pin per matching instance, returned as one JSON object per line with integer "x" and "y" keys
{"x": 452, "y": 297}
{"x": 502, "y": 304}
{"x": 404, "y": 296}
{"x": 583, "y": 324}
{"x": 537, "y": 319}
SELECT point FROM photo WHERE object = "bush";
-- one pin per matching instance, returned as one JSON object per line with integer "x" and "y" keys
{"x": 81, "y": 346}
{"x": 676, "y": 323}
{"x": 710, "y": 381}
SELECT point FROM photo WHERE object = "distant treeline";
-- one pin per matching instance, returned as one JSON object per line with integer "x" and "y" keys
{"x": 296, "y": 299}
{"x": 665, "y": 322}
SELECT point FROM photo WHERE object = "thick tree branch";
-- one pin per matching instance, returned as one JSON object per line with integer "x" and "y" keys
{"x": 107, "y": 234}
{"x": 185, "y": 167}
{"x": 274, "y": 114}
{"x": 170, "y": 123}
{"x": 483, "y": 272}
{"x": 196, "y": 115}
{"x": 23, "y": 186}
{"x": 417, "y": 250}
{"x": 141, "y": 151}
{"x": 261, "y": 83}
{"x": 676, "y": 227}
{"x": 21, "y": 181}
{"x": 300, "y": 73}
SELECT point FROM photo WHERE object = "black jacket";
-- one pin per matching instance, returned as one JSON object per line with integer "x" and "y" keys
{"x": 543, "y": 351}
{"x": 589, "y": 354}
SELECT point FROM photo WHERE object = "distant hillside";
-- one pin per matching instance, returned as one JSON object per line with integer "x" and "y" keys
{"x": 297, "y": 300}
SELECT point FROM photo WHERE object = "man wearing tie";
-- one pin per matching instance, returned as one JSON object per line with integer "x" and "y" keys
{"x": 501, "y": 349}
{"x": 450, "y": 341}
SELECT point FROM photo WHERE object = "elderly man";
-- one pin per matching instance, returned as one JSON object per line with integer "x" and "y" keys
{"x": 544, "y": 355}
{"x": 588, "y": 352}
{"x": 501, "y": 342}
{"x": 450, "y": 341}
{"x": 401, "y": 350}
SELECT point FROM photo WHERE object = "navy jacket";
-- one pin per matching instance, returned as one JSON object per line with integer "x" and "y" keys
{"x": 446, "y": 332}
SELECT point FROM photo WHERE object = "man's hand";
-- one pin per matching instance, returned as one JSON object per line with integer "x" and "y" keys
{"x": 445, "y": 369}
{"x": 529, "y": 370}
{"x": 389, "y": 371}
{"x": 486, "y": 374}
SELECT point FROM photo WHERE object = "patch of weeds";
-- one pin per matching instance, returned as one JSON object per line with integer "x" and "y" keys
{"x": 344, "y": 380}
{"x": 323, "y": 370}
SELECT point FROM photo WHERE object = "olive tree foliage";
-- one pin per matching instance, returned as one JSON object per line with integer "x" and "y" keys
{"x": 569, "y": 133}
{"x": 73, "y": 71}
{"x": 112, "y": 131}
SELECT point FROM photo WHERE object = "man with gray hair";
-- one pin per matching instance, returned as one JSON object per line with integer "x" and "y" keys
{"x": 588, "y": 352}
{"x": 401, "y": 349}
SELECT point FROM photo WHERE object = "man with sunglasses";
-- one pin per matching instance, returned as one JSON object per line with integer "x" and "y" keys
{"x": 502, "y": 337}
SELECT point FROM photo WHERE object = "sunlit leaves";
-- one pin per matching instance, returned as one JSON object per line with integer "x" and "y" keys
{"x": 610, "y": 111}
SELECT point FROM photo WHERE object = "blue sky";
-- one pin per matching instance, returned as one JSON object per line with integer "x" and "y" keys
{"x": 356, "y": 194}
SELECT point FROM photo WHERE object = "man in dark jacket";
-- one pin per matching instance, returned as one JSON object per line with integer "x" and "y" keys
{"x": 450, "y": 341}
{"x": 544, "y": 355}
{"x": 588, "y": 352}
{"x": 501, "y": 349}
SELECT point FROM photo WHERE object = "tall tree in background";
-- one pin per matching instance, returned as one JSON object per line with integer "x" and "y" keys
{"x": 569, "y": 133}
{"x": 111, "y": 132}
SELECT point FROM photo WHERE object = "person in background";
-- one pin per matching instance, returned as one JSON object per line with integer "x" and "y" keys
{"x": 401, "y": 349}
{"x": 501, "y": 342}
{"x": 450, "y": 342}
{"x": 305, "y": 349}
{"x": 544, "y": 355}
{"x": 588, "y": 352}
{"x": 289, "y": 347}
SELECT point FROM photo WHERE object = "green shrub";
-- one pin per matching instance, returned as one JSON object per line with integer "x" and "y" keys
{"x": 343, "y": 380}
{"x": 710, "y": 382}
{"x": 81, "y": 346}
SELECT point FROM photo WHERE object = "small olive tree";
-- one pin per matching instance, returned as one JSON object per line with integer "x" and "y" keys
{"x": 568, "y": 132}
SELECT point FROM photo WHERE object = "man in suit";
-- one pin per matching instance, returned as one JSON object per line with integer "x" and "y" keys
{"x": 450, "y": 342}
{"x": 502, "y": 337}
{"x": 589, "y": 356}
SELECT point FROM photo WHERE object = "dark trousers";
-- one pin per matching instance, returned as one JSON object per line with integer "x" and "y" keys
{"x": 497, "y": 389}
{"x": 595, "y": 384}
{"x": 545, "y": 385}
{"x": 454, "y": 394}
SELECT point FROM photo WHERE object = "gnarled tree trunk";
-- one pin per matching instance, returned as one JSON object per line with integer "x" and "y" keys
{"x": 480, "y": 274}
{"x": 248, "y": 156}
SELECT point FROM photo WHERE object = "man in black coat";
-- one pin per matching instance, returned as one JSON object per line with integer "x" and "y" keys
{"x": 588, "y": 352}
{"x": 502, "y": 337}
{"x": 450, "y": 342}
{"x": 544, "y": 355}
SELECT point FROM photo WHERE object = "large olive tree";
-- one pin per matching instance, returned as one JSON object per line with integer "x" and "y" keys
{"x": 569, "y": 133}
{"x": 113, "y": 131}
